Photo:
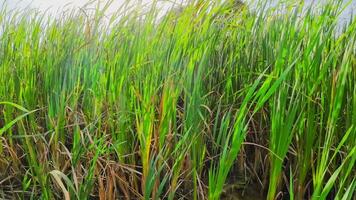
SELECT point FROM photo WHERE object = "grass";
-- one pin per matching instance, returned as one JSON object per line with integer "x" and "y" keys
{"x": 185, "y": 105}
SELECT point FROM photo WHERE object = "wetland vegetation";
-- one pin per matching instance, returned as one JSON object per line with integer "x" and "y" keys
{"x": 214, "y": 101}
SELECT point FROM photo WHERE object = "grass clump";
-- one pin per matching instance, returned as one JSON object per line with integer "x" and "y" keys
{"x": 212, "y": 101}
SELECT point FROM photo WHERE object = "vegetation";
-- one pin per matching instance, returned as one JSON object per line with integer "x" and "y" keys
{"x": 211, "y": 101}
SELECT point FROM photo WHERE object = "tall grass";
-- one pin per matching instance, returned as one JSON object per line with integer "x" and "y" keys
{"x": 213, "y": 101}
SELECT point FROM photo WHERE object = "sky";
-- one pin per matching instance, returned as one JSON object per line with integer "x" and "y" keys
{"x": 57, "y": 5}
{"x": 52, "y": 6}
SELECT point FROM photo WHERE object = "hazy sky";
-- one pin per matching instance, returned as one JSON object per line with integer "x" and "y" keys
{"x": 55, "y": 5}
{"x": 44, "y": 4}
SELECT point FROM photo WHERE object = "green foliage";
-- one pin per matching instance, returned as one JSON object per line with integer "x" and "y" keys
{"x": 182, "y": 105}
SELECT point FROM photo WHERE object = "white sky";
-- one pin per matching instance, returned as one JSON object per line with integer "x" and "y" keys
{"x": 57, "y": 5}
{"x": 53, "y": 4}
{"x": 44, "y": 4}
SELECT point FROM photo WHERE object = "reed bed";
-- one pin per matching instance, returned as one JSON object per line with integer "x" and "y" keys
{"x": 215, "y": 100}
